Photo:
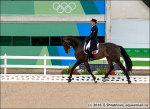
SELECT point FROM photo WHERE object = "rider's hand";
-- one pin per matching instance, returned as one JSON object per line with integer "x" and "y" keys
{"x": 87, "y": 39}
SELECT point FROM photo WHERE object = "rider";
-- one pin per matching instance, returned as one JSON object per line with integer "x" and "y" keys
{"x": 93, "y": 39}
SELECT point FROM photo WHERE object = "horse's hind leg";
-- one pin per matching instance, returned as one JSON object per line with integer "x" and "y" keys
{"x": 89, "y": 70}
{"x": 123, "y": 68}
{"x": 111, "y": 67}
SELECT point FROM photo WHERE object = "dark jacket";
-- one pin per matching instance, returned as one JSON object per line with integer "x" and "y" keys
{"x": 93, "y": 38}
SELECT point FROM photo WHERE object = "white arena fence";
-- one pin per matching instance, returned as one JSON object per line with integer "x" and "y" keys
{"x": 75, "y": 78}
{"x": 64, "y": 78}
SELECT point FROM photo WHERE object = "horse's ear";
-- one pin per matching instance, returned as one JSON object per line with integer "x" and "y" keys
{"x": 62, "y": 40}
{"x": 68, "y": 41}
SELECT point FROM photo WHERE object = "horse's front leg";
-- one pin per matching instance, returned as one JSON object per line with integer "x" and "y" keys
{"x": 89, "y": 70}
{"x": 76, "y": 64}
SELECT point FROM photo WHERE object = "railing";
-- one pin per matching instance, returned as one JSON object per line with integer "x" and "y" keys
{"x": 45, "y": 66}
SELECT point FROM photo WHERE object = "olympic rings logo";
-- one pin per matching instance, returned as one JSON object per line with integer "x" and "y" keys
{"x": 64, "y": 7}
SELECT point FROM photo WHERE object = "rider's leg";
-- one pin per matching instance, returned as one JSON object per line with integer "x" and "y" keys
{"x": 90, "y": 55}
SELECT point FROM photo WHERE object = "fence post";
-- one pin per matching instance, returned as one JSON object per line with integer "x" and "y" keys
{"x": 5, "y": 63}
{"x": 45, "y": 64}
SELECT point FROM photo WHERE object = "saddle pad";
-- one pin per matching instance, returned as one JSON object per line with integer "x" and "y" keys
{"x": 87, "y": 46}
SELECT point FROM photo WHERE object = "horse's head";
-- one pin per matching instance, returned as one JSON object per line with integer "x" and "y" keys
{"x": 66, "y": 44}
{"x": 70, "y": 41}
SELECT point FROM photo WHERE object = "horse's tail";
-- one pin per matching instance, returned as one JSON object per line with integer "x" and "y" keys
{"x": 126, "y": 58}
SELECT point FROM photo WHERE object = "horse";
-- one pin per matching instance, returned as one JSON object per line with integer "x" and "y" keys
{"x": 109, "y": 50}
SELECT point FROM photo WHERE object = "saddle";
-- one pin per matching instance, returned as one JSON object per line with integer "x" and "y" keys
{"x": 87, "y": 47}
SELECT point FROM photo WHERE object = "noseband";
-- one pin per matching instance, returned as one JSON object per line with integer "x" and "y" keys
{"x": 66, "y": 45}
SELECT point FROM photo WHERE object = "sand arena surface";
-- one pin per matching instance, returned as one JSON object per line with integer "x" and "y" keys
{"x": 69, "y": 95}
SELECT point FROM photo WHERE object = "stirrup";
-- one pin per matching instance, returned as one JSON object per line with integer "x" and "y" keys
{"x": 90, "y": 59}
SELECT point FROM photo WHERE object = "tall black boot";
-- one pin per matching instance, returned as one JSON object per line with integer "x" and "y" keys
{"x": 90, "y": 56}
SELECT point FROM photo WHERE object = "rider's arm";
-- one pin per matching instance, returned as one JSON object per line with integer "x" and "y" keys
{"x": 93, "y": 33}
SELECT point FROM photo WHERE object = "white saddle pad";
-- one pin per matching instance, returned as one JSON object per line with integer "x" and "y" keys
{"x": 87, "y": 46}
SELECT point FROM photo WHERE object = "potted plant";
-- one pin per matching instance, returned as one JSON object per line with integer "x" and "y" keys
{"x": 68, "y": 70}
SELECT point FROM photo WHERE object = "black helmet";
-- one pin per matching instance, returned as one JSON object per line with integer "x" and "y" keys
{"x": 94, "y": 20}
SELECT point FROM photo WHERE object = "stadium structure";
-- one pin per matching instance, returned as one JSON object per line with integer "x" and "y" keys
{"x": 35, "y": 28}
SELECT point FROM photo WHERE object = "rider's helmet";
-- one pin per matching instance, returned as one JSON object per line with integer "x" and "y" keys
{"x": 94, "y": 20}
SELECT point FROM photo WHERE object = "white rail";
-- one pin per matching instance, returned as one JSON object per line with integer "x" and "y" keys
{"x": 45, "y": 66}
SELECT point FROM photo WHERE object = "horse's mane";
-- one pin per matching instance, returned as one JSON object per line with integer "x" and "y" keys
{"x": 73, "y": 39}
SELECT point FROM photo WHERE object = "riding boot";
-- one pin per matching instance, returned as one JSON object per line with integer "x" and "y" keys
{"x": 90, "y": 56}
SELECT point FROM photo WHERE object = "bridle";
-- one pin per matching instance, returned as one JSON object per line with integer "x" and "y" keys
{"x": 66, "y": 44}
{"x": 68, "y": 47}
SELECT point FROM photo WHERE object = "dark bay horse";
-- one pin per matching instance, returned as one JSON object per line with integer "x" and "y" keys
{"x": 109, "y": 50}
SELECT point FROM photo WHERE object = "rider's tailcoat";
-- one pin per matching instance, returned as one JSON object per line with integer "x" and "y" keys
{"x": 93, "y": 38}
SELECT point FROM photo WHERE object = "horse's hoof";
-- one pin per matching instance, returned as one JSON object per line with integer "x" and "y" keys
{"x": 129, "y": 82}
{"x": 69, "y": 80}
{"x": 94, "y": 78}
{"x": 104, "y": 80}
{"x": 95, "y": 81}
